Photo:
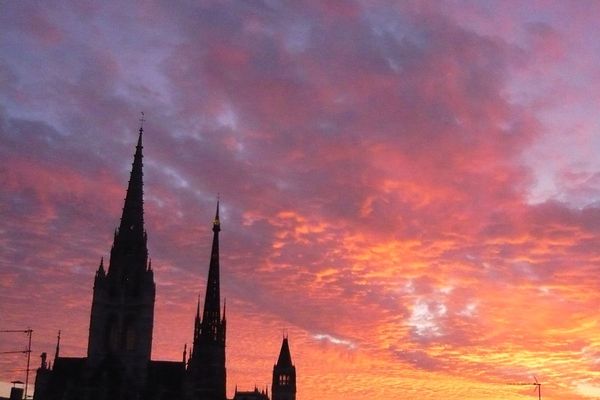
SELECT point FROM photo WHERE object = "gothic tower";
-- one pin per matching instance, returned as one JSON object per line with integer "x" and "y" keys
{"x": 284, "y": 375}
{"x": 206, "y": 375}
{"x": 121, "y": 321}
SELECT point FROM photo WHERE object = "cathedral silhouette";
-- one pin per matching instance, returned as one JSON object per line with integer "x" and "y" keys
{"x": 118, "y": 364}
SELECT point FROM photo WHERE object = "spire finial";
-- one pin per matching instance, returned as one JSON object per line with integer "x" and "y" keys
{"x": 142, "y": 119}
{"x": 217, "y": 221}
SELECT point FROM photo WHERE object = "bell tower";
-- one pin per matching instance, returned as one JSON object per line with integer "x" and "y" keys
{"x": 284, "y": 375}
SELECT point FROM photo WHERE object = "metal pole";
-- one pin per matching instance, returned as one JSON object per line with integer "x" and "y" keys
{"x": 29, "y": 332}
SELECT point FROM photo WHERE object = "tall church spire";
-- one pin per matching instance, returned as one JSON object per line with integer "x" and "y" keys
{"x": 122, "y": 314}
{"x": 132, "y": 219}
{"x": 206, "y": 373}
{"x": 212, "y": 302}
{"x": 129, "y": 255}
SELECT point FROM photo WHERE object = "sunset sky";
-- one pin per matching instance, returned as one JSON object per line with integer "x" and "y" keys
{"x": 411, "y": 189}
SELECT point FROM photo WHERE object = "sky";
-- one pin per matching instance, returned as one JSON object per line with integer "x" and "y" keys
{"x": 409, "y": 189}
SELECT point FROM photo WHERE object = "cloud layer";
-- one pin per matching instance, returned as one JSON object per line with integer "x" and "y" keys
{"x": 411, "y": 190}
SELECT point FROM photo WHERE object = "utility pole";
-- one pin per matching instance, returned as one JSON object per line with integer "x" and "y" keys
{"x": 29, "y": 333}
{"x": 538, "y": 386}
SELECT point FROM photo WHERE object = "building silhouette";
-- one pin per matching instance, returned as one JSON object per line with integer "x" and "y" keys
{"x": 284, "y": 375}
{"x": 118, "y": 364}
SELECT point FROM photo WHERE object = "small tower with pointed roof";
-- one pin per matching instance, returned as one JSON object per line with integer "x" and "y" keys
{"x": 206, "y": 374}
{"x": 284, "y": 375}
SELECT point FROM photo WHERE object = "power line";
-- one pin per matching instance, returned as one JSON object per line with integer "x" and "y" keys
{"x": 29, "y": 333}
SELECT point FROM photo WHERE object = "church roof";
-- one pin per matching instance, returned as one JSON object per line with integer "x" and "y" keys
{"x": 66, "y": 374}
{"x": 165, "y": 380}
{"x": 68, "y": 365}
{"x": 250, "y": 395}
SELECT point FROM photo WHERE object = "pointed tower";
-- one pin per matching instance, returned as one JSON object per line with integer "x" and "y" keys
{"x": 206, "y": 374}
{"x": 122, "y": 317}
{"x": 284, "y": 375}
{"x": 57, "y": 351}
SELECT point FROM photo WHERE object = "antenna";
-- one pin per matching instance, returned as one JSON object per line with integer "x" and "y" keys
{"x": 538, "y": 386}
{"x": 27, "y": 351}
